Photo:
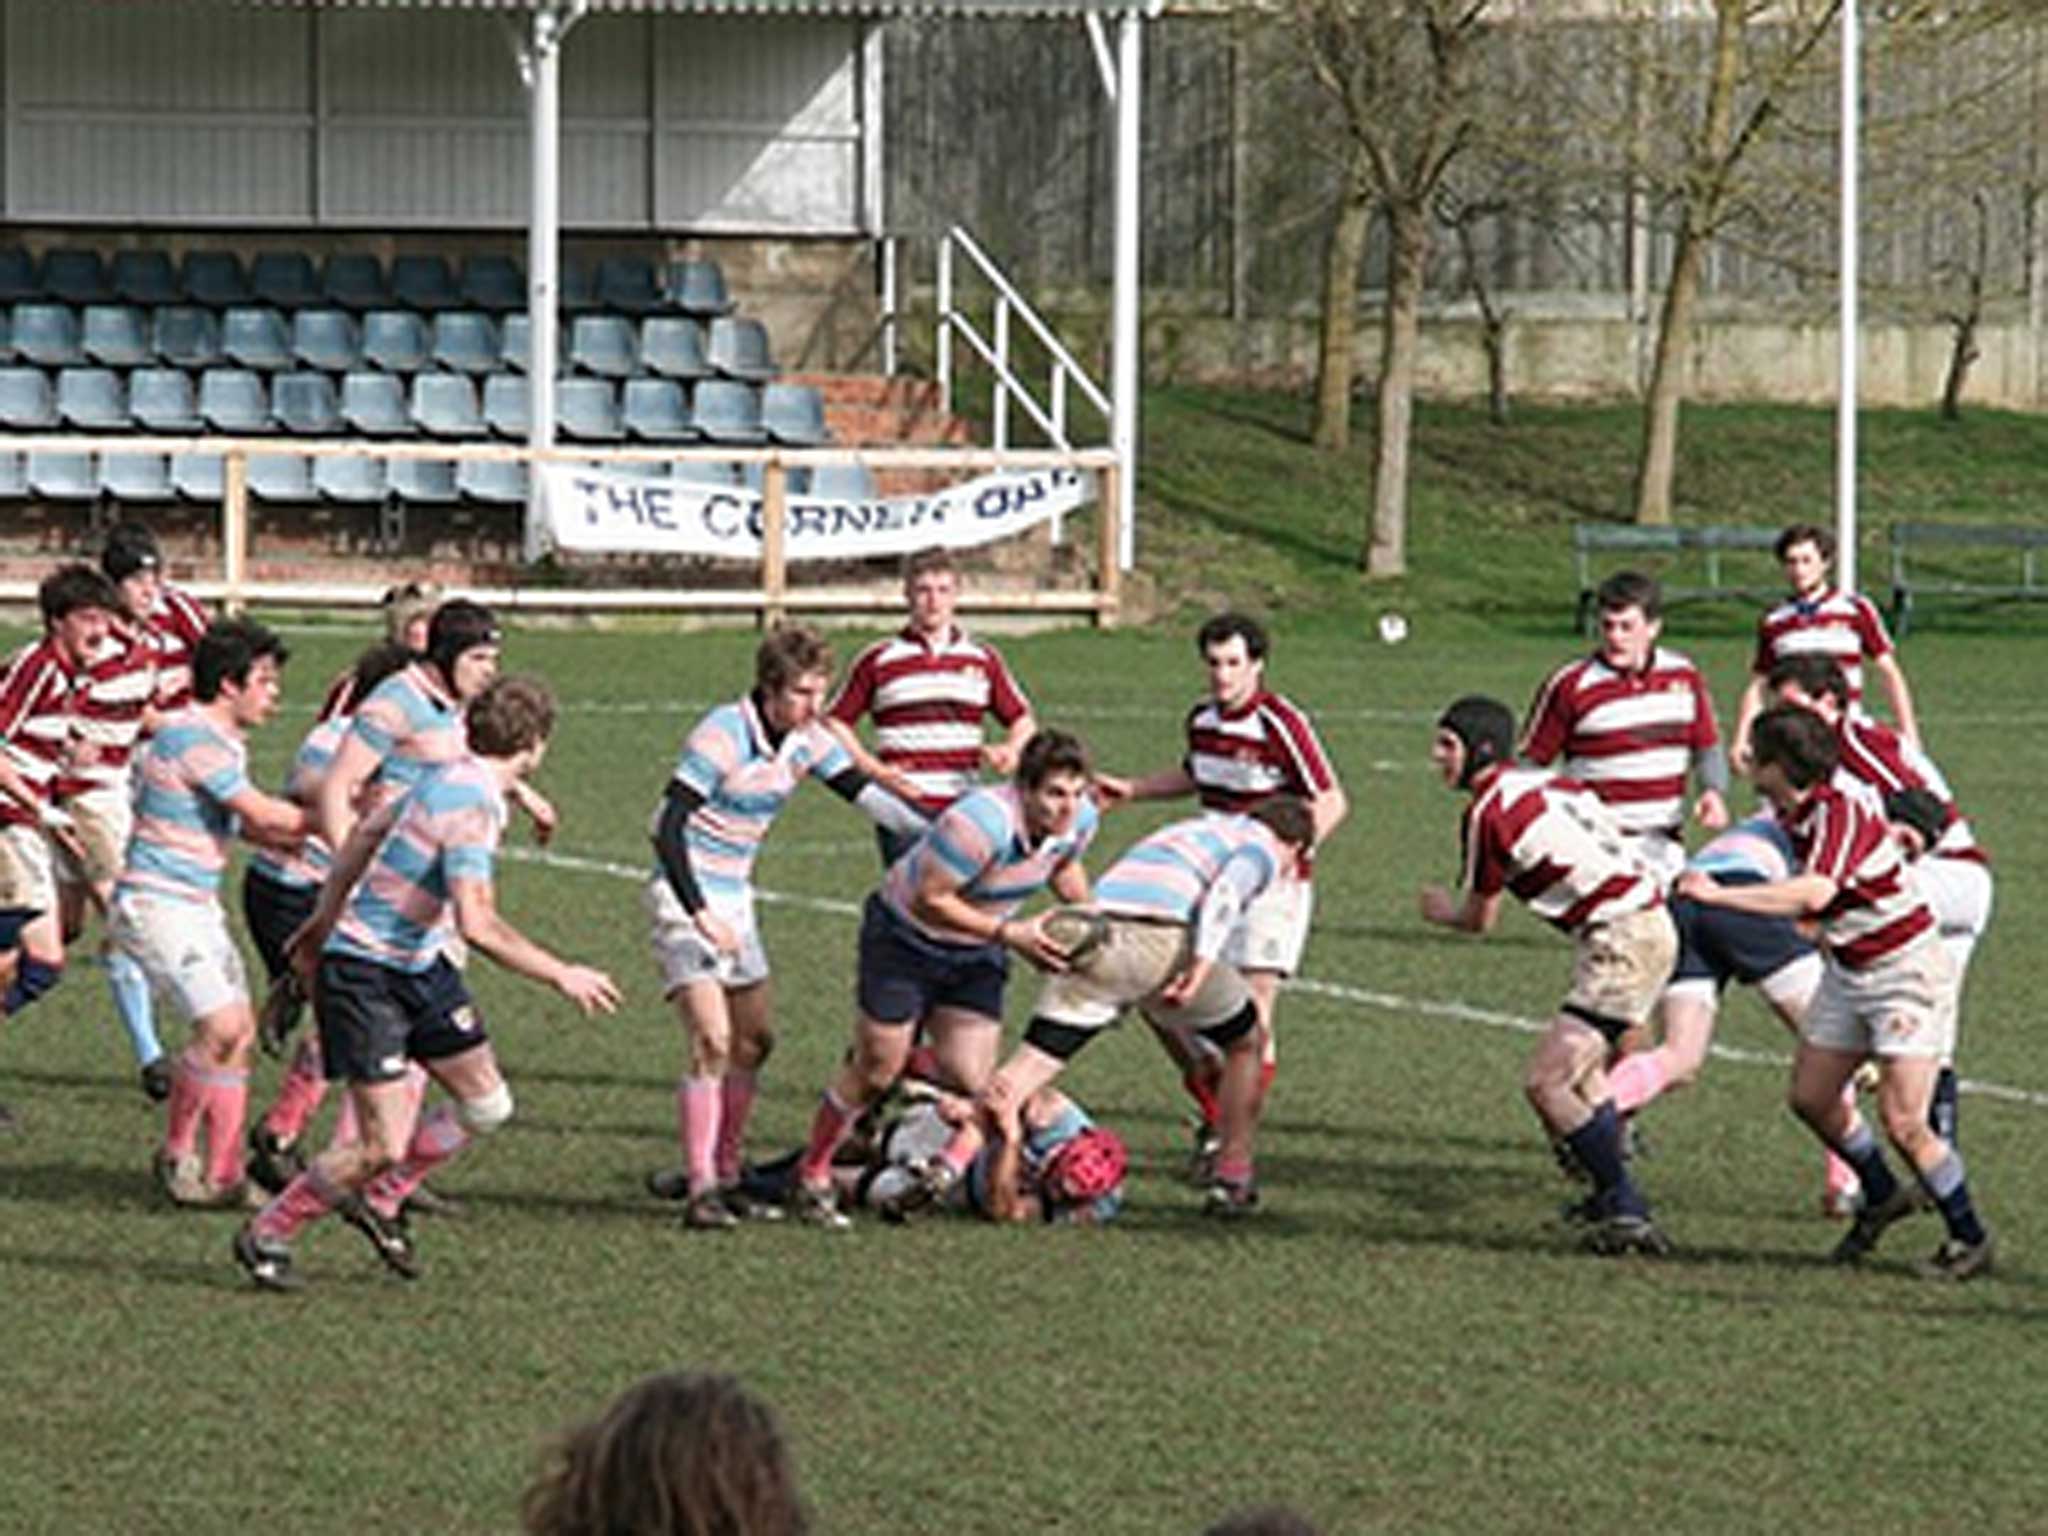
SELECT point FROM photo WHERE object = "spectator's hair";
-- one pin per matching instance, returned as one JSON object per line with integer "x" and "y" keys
{"x": 930, "y": 562}
{"x": 1268, "y": 1520}
{"x": 371, "y": 668}
{"x": 1288, "y": 818}
{"x": 72, "y": 587}
{"x": 1805, "y": 533}
{"x": 1813, "y": 675}
{"x": 790, "y": 651}
{"x": 684, "y": 1454}
{"x": 1048, "y": 753}
{"x": 130, "y": 547}
{"x": 227, "y": 652}
{"x": 1797, "y": 741}
{"x": 509, "y": 716}
{"x": 459, "y": 625}
{"x": 1225, "y": 626}
{"x": 406, "y": 604}
{"x": 1630, "y": 589}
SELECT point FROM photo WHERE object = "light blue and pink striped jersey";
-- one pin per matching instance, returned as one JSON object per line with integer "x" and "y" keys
{"x": 1759, "y": 847}
{"x": 306, "y": 869}
{"x": 400, "y": 913}
{"x": 413, "y": 725}
{"x": 744, "y": 780}
{"x": 184, "y": 779}
{"x": 1170, "y": 872}
{"x": 979, "y": 841}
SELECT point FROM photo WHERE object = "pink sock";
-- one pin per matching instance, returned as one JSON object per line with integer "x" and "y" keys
{"x": 438, "y": 1137}
{"x": 1637, "y": 1079}
{"x": 960, "y": 1151}
{"x": 226, "y": 1109}
{"x": 1234, "y": 1172}
{"x": 299, "y": 1095}
{"x": 829, "y": 1126}
{"x": 697, "y": 1118}
{"x": 1839, "y": 1175}
{"x": 181, "y": 1126}
{"x": 737, "y": 1096}
{"x": 307, "y": 1198}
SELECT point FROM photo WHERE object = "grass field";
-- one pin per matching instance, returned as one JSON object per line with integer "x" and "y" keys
{"x": 1403, "y": 1341}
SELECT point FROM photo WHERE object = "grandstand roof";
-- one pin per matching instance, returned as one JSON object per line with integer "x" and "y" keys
{"x": 957, "y": 8}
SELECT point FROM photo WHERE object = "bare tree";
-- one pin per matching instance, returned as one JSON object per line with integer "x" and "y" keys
{"x": 1968, "y": 314}
{"x": 1460, "y": 217}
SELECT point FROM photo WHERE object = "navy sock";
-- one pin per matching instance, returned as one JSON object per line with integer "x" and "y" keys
{"x": 1597, "y": 1145}
{"x": 1942, "y": 1114}
{"x": 1860, "y": 1151}
{"x": 1952, "y": 1194}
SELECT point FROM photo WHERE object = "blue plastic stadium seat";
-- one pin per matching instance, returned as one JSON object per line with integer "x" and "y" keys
{"x": 445, "y": 405}
{"x": 256, "y": 337}
{"x": 500, "y": 482}
{"x": 424, "y": 283}
{"x": 326, "y": 339}
{"x": 47, "y": 334}
{"x": 214, "y": 278}
{"x": 395, "y": 340}
{"x": 146, "y": 278}
{"x": 354, "y": 280}
{"x": 26, "y": 401}
{"x": 75, "y": 276}
{"x": 64, "y": 476}
{"x": 673, "y": 346}
{"x": 508, "y": 405}
{"x": 285, "y": 280}
{"x": 92, "y": 400}
{"x": 281, "y": 477}
{"x": 626, "y": 286}
{"x": 136, "y": 476}
{"x": 496, "y": 284}
{"x": 656, "y": 411}
{"x": 698, "y": 288}
{"x": 515, "y": 342}
{"x": 373, "y": 405}
{"x": 233, "y": 400}
{"x": 604, "y": 345}
{"x": 588, "y": 410}
{"x": 794, "y": 414}
{"x": 429, "y": 482}
{"x": 465, "y": 341}
{"x": 13, "y": 475}
{"x": 161, "y": 400}
{"x": 18, "y": 281}
{"x": 355, "y": 478}
{"x": 843, "y": 482}
{"x": 739, "y": 349}
{"x": 578, "y": 289}
{"x": 305, "y": 404}
{"x": 198, "y": 476}
{"x": 728, "y": 411}
{"x": 186, "y": 336}
{"x": 114, "y": 335}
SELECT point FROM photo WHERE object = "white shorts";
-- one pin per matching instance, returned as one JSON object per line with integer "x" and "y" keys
{"x": 184, "y": 948}
{"x": 1903, "y": 1006}
{"x": 1134, "y": 962}
{"x": 1959, "y": 891}
{"x": 28, "y": 870}
{"x": 1274, "y": 929}
{"x": 684, "y": 955}
{"x": 105, "y": 815}
{"x": 1661, "y": 854}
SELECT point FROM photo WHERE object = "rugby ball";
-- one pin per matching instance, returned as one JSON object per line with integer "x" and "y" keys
{"x": 1076, "y": 930}
{"x": 1393, "y": 628}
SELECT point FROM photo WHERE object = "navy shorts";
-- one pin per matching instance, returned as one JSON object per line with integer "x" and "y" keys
{"x": 274, "y": 912}
{"x": 905, "y": 976}
{"x": 374, "y": 1017}
{"x": 1721, "y": 945}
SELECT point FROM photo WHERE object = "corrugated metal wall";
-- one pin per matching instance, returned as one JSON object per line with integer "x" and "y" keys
{"x": 170, "y": 113}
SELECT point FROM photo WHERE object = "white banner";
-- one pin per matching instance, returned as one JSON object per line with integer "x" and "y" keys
{"x": 609, "y": 512}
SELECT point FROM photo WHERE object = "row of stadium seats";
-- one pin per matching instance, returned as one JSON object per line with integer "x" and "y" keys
{"x": 355, "y": 479}
{"x": 393, "y": 340}
{"x": 289, "y": 280}
{"x": 309, "y": 404}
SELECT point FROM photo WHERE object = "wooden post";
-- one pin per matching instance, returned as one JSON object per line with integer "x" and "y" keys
{"x": 774, "y": 557}
{"x": 1109, "y": 578}
{"x": 234, "y": 531}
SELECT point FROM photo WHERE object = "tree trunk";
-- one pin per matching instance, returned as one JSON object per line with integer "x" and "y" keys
{"x": 1386, "y": 552}
{"x": 1659, "y": 462}
{"x": 1962, "y": 353}
{"x": 1337, "y": 343}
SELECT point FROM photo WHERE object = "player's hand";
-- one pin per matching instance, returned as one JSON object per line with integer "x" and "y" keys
{"x": 542, "y": 810}
{"x": 1438, "y": 906}
{"x": 1000, "y": 758}
{"x": 1710, "y": 810}
{"x": 1695, "y": 885}
{"x": 1179, "y": 990}
{"x": 1740, "y": 757}
{"x": 80, "y": 753}
{"x": 591, "y": 990}
{"x": 1029, "y": 939}
{"x": 1110, "y": 790}
{"x": 718, "y": 933}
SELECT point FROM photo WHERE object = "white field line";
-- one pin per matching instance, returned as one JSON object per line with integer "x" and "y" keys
{"x": 1382, "y": 1002}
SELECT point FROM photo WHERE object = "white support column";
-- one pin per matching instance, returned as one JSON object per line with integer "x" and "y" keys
{"x": 1124, "y": 341}
{"x": 542, "y": 67}
{"x": 1850, "y": 320}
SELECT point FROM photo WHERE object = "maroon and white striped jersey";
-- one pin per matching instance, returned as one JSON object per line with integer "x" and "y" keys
{"x": 117, "y": 686}
{"x": 1877, "y": 761}
{"x": 1878, "y": 911}
{"x": 179, "y": 621}
{"x": 928, "y": 702}
{"x": 1843, "y": 625}
{"x": 1556, "y": 845}
{"x": 35, "y": 720}
{"x": 1628, "y": 736}
{"x": 1263, "y": 747}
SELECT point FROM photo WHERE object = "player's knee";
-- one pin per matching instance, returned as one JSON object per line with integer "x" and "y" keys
{"x": 35, "y": 978}
{"x": 486, "y": 1112}
{"x": 1905, "y": 1125}
{"x": 1240, "y": 1031}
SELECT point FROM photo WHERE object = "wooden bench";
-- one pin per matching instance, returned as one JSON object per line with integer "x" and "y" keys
{"x": 1634, "y": 540}
{"x": 1910, "y": 539}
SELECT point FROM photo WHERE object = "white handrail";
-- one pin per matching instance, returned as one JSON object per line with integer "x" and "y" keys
{"x": 1005, "y": 289}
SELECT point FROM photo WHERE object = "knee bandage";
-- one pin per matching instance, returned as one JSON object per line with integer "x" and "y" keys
{"x": 487, "y": 1112}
